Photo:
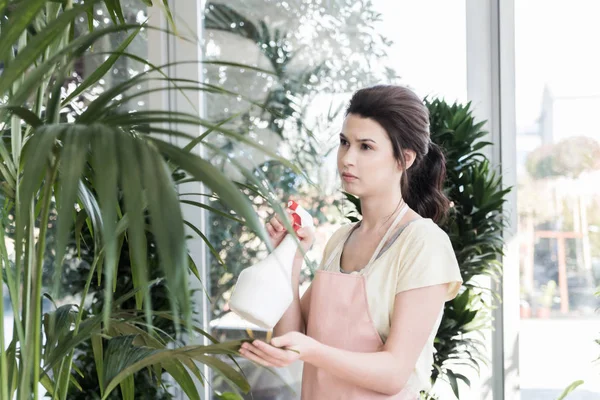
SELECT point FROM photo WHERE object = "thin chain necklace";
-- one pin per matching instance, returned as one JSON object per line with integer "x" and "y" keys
{"x": 392, "y": 215}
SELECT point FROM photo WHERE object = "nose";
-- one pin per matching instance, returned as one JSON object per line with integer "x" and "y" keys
{"x": 347, "y": 156}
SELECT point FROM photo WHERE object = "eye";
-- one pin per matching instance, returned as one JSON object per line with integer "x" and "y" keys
{"x": 366, "y": 147}
{"x": 343, "y": 142}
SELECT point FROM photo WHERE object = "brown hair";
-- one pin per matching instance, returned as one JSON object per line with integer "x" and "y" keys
{"x": 405, "y": 118}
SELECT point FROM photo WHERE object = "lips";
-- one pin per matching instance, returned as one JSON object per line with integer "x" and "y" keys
{"x": 347, "y": 176}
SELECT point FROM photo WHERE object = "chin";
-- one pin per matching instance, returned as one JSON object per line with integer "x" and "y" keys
{"x": 351, "y": 189}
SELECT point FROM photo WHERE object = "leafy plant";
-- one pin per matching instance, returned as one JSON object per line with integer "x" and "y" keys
{"x": 85, "y": 162}
{"x": 298, "y": 74}
{"x": 474, "y": 225}
{"x": 74, "y": 280}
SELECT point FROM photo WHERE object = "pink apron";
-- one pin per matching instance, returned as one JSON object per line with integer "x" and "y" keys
{"x": 339, "y": 317}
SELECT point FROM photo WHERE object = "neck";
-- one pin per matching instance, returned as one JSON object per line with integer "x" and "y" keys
{"x": 378, "y": 211}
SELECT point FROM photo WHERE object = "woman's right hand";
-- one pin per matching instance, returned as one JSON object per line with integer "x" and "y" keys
{"x": 276, "y": 228}
{"x": 277, "y": 233}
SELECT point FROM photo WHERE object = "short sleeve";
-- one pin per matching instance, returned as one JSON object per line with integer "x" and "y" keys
{"x": 426, "y": 259}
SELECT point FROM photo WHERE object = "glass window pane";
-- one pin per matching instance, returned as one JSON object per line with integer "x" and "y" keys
{"x": 558, "y": 144}
{"x": 317, "y": 54}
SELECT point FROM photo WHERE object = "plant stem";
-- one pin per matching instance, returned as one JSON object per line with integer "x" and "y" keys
{"x": 16, "y": 137}
{"x": 15, "y": 287}
{"x": 3, "y": 364}
{"x": 69, "y": 360}
{"x": 38, "y": 272}
{"x": 12, "y": 287}
{"x": 26, "y": 354}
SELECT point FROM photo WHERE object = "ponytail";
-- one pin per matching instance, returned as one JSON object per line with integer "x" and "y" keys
{"x": 423, "y": 184}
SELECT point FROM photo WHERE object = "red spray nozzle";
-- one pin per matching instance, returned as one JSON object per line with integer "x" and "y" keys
{"x": 297, "y": 223}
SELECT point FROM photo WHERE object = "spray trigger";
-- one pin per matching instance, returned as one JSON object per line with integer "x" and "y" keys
{"x": 297, "y": 220}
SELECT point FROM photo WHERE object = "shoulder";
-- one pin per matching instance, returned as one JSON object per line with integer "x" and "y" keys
{"x": 424, "y": 242}
{"x": 425, "y": 232}
{"x": 426, "y": 258}
{"x": 338, "y": 235}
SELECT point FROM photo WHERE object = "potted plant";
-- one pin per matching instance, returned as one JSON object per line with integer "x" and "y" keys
{"x": 545, "y": 300}
{"x": 106, "y": 169}
{"x": 525, "y": 303}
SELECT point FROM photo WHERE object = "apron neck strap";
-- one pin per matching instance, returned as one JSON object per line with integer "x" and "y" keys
{"x": 389, "y": 231}
{"x": 339, "y": 248}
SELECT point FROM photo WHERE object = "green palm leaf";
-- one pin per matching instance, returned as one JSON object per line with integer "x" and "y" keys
{"x": 73, "y": 157}
{"x": 217, "y": 182}
{"x": 104, "y": 68}
{"x": 167, "y": 225}
{"x": 35, "y": 77}
{"x": 36, "y": 156}
{"x": 38, "y": 44}
{"x": 134, "y": 206}
{"x": 26, "y": 115}
{"x": 106, "y": 178}
{"x": 17, "y": 24}
{"x": 124, "y": 363}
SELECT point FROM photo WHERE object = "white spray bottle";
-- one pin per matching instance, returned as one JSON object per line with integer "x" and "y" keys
{"x": 263, "y": 292}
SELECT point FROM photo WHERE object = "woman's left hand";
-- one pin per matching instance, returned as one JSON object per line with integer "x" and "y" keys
{"x": 282, "y": 351}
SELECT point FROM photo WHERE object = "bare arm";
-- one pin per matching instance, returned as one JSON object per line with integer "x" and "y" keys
{"x": 293, "y": 320}
{"x": 385, "y": 371}
{"x": 388, "y": 370}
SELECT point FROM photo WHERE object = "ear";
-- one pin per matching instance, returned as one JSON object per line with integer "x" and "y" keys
{"x": 409, "y": 157}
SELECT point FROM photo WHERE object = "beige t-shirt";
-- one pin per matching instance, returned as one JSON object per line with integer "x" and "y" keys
{"x": 421, "y": 256}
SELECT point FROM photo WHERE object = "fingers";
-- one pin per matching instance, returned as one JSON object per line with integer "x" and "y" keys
{"x": 264, "y": 354}
{"x": 273, "y": 352}
{"x": 253, "y": 357}
{"x": 305, "y": 234}
{"x": 277, "y": 224}
{"x": 280, "y": 341}
{"x": 270, "y": 229}
{"x": 274, "y": 222}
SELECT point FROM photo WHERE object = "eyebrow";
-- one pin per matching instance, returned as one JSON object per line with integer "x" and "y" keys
{"x": 359, "y": 140}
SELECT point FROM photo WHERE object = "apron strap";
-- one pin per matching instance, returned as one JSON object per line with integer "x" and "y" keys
{"x": 389, "y": 231}
{"x": 338, "y": 249}
{"x": 394, "y": 237}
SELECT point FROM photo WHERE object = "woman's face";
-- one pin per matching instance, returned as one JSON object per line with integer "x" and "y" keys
{"x": 365, "y": 159}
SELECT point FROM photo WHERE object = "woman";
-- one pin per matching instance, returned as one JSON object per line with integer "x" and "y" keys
{"x": 365, "y": 327}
